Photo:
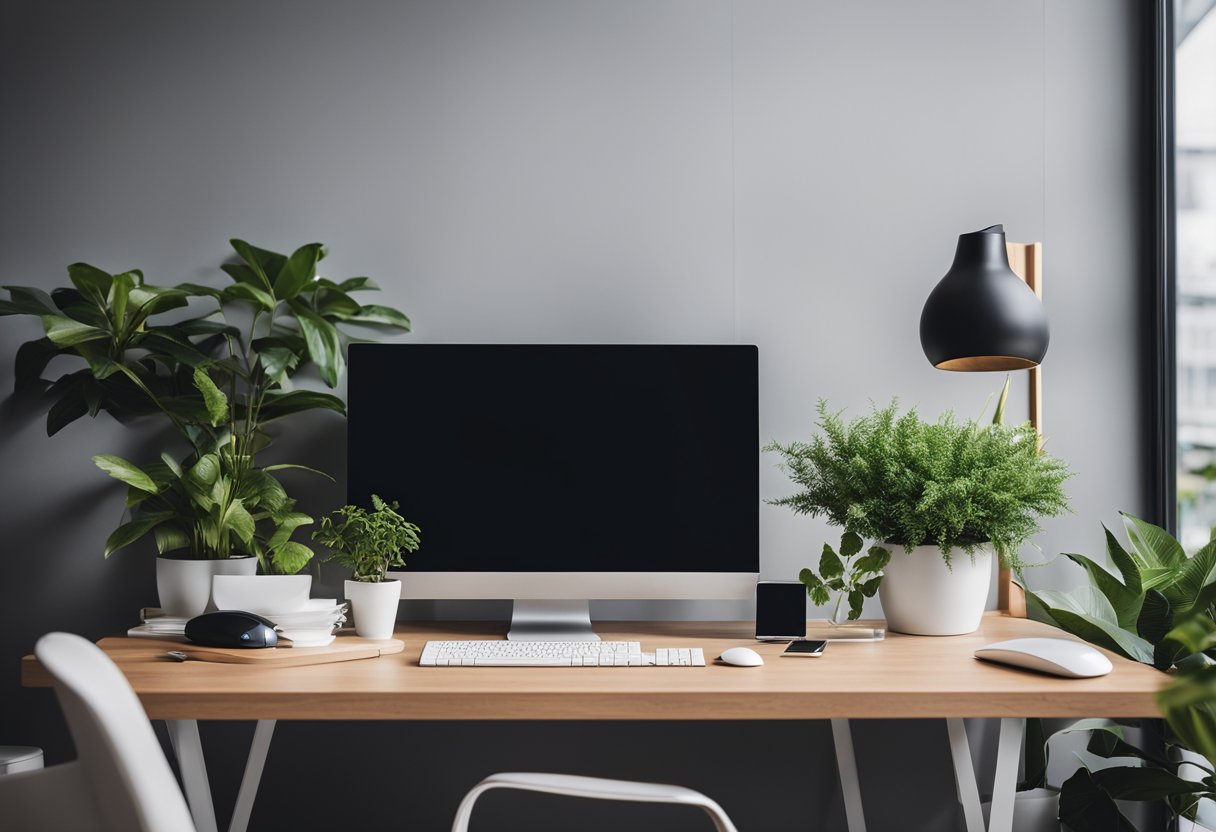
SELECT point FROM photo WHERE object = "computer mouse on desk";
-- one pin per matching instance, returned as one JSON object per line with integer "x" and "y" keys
{"x": 231, "y": 628}
{"x": 741, "y": 657}
{"x": 1057, "y": 656}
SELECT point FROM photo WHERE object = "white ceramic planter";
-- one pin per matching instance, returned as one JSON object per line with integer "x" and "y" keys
{"x": 184, "y": 586}
{"x": 1035, "y": 810}
{"x": 922, "y": 596}
{"x": 374, "y": 607}
{"x": 267, "y": 595}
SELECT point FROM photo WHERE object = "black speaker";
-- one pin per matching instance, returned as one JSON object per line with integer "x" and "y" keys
{"x": 780, "y": 610}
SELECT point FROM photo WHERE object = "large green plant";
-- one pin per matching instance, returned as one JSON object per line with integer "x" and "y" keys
{"x": 219, "y": 384}
{"x": 1155, "y": 608}
{"x": 897, "y": 479}
{"x": 368, "y": 542}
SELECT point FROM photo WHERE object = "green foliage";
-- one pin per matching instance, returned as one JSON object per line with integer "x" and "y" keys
{"x": 368, "y": 542}
{"x": 849, "y": 574}
{"x": 903, "y": 481}
{"x": 1155, "y": 607}
{"x": 218, "y": 384}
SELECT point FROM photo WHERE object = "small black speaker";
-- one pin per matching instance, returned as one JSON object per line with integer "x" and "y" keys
{"x": 780, "y": 610}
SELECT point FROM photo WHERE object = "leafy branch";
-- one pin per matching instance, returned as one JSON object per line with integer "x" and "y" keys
{"x": 849, "y": 574}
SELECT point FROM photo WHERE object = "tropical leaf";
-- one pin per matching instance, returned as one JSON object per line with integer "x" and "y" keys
{"x": 298, "y": 271}
{"x": 830, "y": 565}
{"x": 815, "y": 590}
{"x": 67, "y": 332}
{"x": 128, "y": 533}
{"x": 249, "y": 293}
{"x": 277, "y": 405}
{"x": 124, "y": 471}
{"x": 1196, "y": 580}
{"x": 283, "y": 466}
{"x": 91, "y": 282}
{"x": 290, "y": 557}
{"x": 375, "y": 315}
{"x": 27, "y": 300}
{"x": 1152, "y": 546}
{"x": 1085, "y": 612}
{"x": 324, "y": 343}
{"x": 1125, "y": 602}
{"x": 238, "y": 520}
{"x": 1085, "y": 807}
{"x": 32, "y": 358}
{"x": 873, "y": 561}
{"x": 1156, "y": 617}
{"x": 170, "y": 537}
{"x": 1124, "y": 562}
{"x": 1189, "y": 705}
{"x": 251, "y": 257}
{"x": 213, "y": 397}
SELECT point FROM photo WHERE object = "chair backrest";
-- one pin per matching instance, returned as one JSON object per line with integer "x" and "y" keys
{"x": 132, "y": 784}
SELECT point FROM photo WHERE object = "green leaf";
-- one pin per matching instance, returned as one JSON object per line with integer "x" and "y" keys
{"x": 290, "y": 558}
{"x": 1195, "y": 635}
{"x": 279, "y": 356}
{"x": 1124, "y": 562}
{"x": 172, "y": 465}
{"x": 161, "y": 343}
{"x": 1143, "y": 783}
{"x": 1188, "y": 705}
{"x": 1195, "y": 584}
{"x": 298, "y": 271}
{"x": 850, "y": 544}
{"x": 277, "y": 405}
{"x": 324, "y": 344}
{"x": 32, "y": 358}
{"x": 205, "y": 472}
{"x": 1123, "y": 600}
{"x": 829, "y": 564}
{"x": 1154, "y": 545}
{"x": 287, "y": 524}
{"x": 334, "y": 303}
{"x": 1085, "y": 612}
{"x": 124, "y": 471}
{"x": 250, "y": 256}
{"x": 1085, "y": 807}
{"x": 815, "y": 589}
{"x": 27, "y": 300}
{"x": 358, "y": 284}
{"x": 856, "y": 600}
{"x": 998, "y": 415}
{"x": 170, "y": 538}
{"x": 67, "y": 333}
{"x": 270, "y": 262}
{"x": 214, "y": 398}
{"x": 1156, "y": 617}
{"x": 69, "y": 407}
{"x": 249, "y": 293}
{"x": 873, "y": 561}
{"x": 870, "y": 587}
{"x": 198, "y": 290}
{"x": 91, "y": 282}
{"x": 128, "y": 533}
{"x": 374, "y": 315}
{"x": 260, "y": 490}
{"x": 286, "y": 465}
{"x": 238, "y": 520}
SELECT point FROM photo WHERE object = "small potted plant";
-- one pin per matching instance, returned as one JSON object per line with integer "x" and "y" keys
{"x": 369, "y": 542}
{"x": 927, "y": 491}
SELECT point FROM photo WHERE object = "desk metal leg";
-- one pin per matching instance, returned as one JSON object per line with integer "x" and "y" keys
{"x": 183, "y": 734}
{"x": 1005, "y": 782}
{"x": 253, "y": 775}
{"x": 964, "y": 776}
{"x": 846, "y": 768}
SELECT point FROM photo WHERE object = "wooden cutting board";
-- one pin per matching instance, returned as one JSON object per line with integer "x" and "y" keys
{"x": 344, "y": 649}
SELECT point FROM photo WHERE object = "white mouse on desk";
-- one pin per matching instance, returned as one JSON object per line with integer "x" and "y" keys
{"x": 1057, "y": 656}
{"x": 741, "y": 657}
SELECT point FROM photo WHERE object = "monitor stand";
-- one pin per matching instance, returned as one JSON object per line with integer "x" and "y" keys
{"x": 551, "y": 621}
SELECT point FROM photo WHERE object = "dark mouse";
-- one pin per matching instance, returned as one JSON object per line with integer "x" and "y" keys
{"x": 231, "y": 628}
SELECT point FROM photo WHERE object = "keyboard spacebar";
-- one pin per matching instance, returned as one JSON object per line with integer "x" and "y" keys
{"x": 503, "y": 661}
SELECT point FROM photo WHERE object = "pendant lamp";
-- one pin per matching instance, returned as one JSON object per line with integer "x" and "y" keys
{"x": 981, "y": 316}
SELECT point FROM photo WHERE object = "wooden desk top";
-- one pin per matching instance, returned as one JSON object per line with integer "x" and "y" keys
{"x": 901, "y": 677}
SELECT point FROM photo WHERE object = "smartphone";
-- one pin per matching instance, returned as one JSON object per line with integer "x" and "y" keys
{"x": 805, "y": 647}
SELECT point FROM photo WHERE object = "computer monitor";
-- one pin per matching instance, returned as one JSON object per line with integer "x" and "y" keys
{"x": 554, "y": 474}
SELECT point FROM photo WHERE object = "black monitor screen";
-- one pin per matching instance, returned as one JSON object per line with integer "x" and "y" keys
{"x": 562, "y": 458}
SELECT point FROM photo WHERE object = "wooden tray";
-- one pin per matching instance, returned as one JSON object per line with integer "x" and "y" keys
{"x": 344, "y": 649}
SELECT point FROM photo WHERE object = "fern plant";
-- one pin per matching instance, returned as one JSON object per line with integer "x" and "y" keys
{"x": 900, "y": 480}
{"x": 368, "y": 542}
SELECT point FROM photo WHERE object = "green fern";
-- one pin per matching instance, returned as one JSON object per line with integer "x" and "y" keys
{"x": 897, "y": 479}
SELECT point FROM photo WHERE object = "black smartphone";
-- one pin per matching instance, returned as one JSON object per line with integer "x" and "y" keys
{"x": 805, "y": 647}
{"x": 780, "y": 610}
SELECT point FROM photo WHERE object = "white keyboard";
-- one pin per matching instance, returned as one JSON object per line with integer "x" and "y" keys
{"x": 499, "y": 653}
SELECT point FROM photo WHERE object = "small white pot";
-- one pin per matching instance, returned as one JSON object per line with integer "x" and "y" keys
{"x": 184, "y": 585}
{"x": 267, "y": 595}
{"x": 923, "y": 596}
{"x": 374, "y": 607}
{"x": 1034, "y": 810}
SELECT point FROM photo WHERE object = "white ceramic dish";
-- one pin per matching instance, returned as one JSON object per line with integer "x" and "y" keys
{"x": 266, "y": 595}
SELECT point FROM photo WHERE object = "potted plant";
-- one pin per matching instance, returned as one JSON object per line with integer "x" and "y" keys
{"x": 210, "y": 507}
{"x": 368, "y": 543}
{"x": 941, "y": 496}
{"x": 1156, "y": 607}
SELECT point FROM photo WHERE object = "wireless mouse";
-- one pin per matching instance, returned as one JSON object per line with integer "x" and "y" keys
{"x": 1057, "y": 656}
{"x": 741, "y": 657}
{"x": 231, "y": 628}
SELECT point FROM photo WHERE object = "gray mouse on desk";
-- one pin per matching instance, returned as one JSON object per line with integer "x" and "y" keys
{"x": 231, "y": 628}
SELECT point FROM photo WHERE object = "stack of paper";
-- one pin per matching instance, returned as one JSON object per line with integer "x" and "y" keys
{"x": 158, "y": 625}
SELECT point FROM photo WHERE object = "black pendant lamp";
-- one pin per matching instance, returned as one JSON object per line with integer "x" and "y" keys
{"x": 981, "y": 316}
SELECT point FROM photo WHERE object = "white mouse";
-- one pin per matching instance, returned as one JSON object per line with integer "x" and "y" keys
{"x": 1057, "y": 656}
{"x": 741, "y": 657}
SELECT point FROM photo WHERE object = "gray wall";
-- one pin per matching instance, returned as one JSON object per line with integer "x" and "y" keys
{"x": 789, "y": 174}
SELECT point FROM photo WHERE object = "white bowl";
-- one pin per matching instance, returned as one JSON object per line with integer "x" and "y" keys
{"x": 262, "y": 594}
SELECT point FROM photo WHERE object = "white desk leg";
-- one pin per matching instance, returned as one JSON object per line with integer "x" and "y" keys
{"x": 253, "y": 775}
{"x": 846, "y": 768}
{"x": 964, "y": 776}
{"x": 1005, "y": 782}
{"x": 183, "y": 734}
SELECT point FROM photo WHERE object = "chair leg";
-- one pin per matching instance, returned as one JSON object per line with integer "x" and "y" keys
{"x": 846, "y": 770}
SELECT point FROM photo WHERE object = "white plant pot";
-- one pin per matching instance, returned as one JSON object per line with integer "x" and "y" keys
{"x": 1035, "y": 810}
{"x": 184, "y": 585}
{"x": 923, "y": 596}
{"x": 267, "y": 595}
{"x": 374, "y": 607}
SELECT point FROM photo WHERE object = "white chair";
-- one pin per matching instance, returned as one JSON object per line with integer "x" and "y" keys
{"x": 120, "y": 780}
{"x": 595, "y": 788}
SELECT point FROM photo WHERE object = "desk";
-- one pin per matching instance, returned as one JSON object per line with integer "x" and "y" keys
{"x": 902, "y": 677}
